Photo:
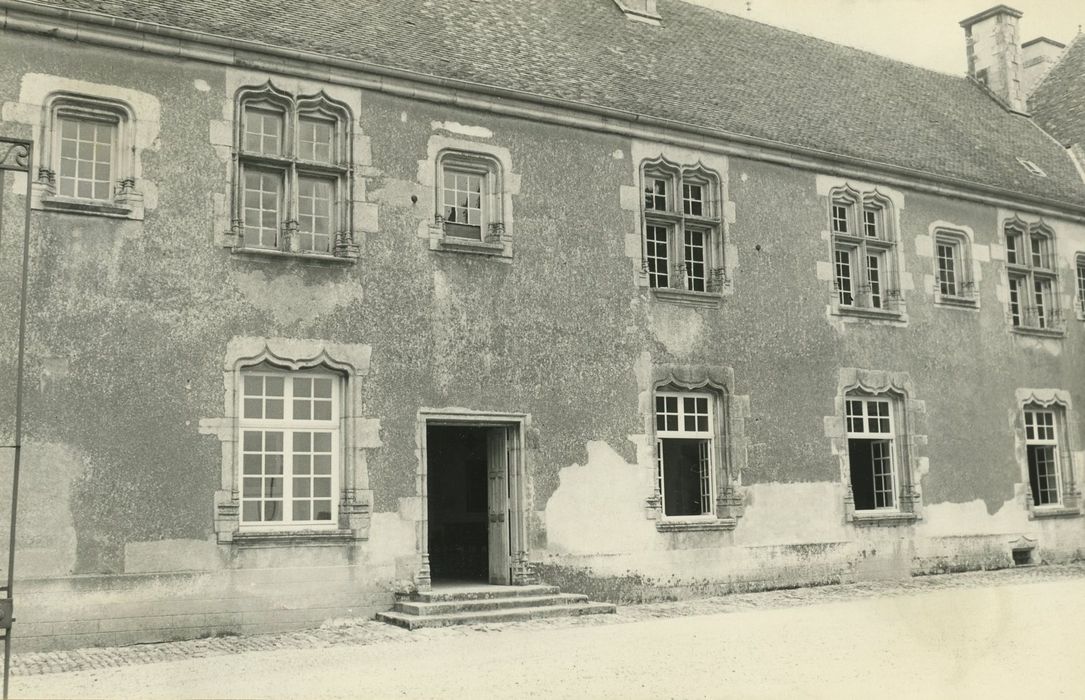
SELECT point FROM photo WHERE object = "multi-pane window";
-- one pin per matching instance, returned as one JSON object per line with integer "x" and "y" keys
{"x": 863, "y": 253}
{"x": 685, "y": 453}
{"x": 871, "y": 452}
{"x": 87, "y": 154}
{"x": 289, "y": 444}
{"x": 1031, "y": 277}
{"x": 952, "y": 266}
{"x": 1079, "y": 267}
{"x": 1042, "y": 447}
{"x": 293, "y": 172}
{"x": 469, "y": 199}
{"x": 682, "y": 248}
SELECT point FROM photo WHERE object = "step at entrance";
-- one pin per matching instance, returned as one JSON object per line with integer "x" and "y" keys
{"x": 465, "y": 605}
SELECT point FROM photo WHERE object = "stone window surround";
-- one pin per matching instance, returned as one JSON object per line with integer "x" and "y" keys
{"x": 42, "y": 97}
{"x": 631, "y": 199}
{"x": 910, "y": 419}
{"x": 502, "y": 185}
{"x": 1079, "y": 285}
{"x": 858, "y": 199}
{"x": 1056, "y": 327}
{"x": 359, "y": 436}
{"x": 344, "y": 245}
{"x": 730, "y": 443}
{"x": 968, "y": 269}
{"x": 675, "y": 219}
{"x": 1071, "y": 492}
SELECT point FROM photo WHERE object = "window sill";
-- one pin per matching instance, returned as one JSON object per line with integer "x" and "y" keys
{"x": 685, "y": 297}
{"x": 274, "y": 253}
{"x": 292, "y": 538}
{"x": 714, "y": 525}
{"x": 1053, "y": 512}
{"x": 1039, "y": 332}
{"x": 93, "y": 207}
{"x": 875, "y": 314}
{"x": 453, "y": 244}
{"x": 957, "y": 302}
{"x": 874, "y": 519}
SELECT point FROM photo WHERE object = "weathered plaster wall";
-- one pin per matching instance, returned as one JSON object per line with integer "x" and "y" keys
{"x": 130, "y": 322}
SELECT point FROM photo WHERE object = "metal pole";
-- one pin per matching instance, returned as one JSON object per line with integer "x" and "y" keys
{"x": 20, "y": 353}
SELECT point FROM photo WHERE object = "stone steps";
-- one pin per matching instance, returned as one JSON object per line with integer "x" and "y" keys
{"x": 443, "y": 607}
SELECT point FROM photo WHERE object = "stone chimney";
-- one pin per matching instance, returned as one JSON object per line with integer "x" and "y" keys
{"x": 639, "y": 10}
{"x": 1037, "y": 57}
{"x": 994, "y": 56}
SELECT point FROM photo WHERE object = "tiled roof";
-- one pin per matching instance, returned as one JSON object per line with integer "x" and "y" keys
{"x": 701, "y": 67}
{"x": 1058, "y": 103}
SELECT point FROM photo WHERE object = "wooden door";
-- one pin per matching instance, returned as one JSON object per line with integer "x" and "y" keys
{"x": 498, "y": 499}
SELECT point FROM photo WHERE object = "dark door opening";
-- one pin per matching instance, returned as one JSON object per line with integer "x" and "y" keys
{"x": 457, "y": 460}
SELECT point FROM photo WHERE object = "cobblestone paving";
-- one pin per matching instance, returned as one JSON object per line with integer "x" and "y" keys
{"x": 363, "y": 632}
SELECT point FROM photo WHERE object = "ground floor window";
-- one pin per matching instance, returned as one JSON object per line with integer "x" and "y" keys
{"x": 685, "y": 453}
{"x": 871, "y": 452}
{"x": 1042, "y": 449}
{"x": 289, "y": 448}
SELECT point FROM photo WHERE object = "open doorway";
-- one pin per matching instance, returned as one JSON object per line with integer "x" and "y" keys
{"x": 468, "y": 503}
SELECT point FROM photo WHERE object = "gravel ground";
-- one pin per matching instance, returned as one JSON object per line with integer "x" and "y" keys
{"x": 361, "y": 632}
{"x": 994, "y": 634}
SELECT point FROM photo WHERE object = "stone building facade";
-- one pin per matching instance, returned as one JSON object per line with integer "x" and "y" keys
{"x": 446, "y": 291}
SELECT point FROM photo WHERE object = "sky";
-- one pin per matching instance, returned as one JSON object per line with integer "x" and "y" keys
{"x": 922, "y": 32}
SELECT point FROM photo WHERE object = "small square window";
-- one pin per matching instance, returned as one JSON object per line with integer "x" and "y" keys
{"x": 470, "y": 204}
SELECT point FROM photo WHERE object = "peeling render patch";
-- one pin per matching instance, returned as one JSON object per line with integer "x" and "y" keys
{"x": 292, "y": 301}
{"x": 580, "y": 520}
{"x": 792, "y": 514}
{"x": 479, "y": 132}
{"x": 976, "y": 518}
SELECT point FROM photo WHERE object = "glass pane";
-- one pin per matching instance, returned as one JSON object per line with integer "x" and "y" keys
{"x": 322, "y": 410}
{"x": 301, "y": 442}
{"x": 250, "y": 511}
{"x": 322, "y": 464}
{"x": 301, "y": 510}
{"x": 323, "y": 510}
{"x": 301, "y": 488}
{"x": 254, "y": 408}
{"x": 322, "y": 487}
{"x": 273, "y": 464}
{"x": 274, "y": 409}
{"x": 322, "y": 442}
{"x": 301, "y": 409}
{"x": 301, "y": 464}
{"x": 322, "y": 388}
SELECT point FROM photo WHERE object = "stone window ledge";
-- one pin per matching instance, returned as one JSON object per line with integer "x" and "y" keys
{"x": 1039, "y": 332}
{"x": 875, "y": 314}
{"x": 957, "y": 302}
{"x": 72, "y": 205}
{"x": 716, "y": 525}
{"x": 292, "y": 538}
{"x": 453, "y": 244}
{"x": 1053, "y": 512}
{"x": 685, "y": 297}
{"x": 874, "y": 519}
{"x": 311, "y": 257}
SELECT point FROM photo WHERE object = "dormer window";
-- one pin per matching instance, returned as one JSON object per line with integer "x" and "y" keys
{"x": 1032, "y": 167}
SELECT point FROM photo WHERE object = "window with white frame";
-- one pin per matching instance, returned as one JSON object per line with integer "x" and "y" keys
{"x": 864, "y": 252}
{"x": 469, "y": 197}
{"x": 289, "y": 445}
{"x": 872, "y": 452}
{"x": 1031, "y": 277}
{"x": 293, "y": 188}
{"x": 1079, "y": 267}
{"x": 682, "y": 230}
{"x": 685, "y": 453}
{"x": 1042, "y": 450}
{"x": 88, "y": 162}
{"x": 953, "y": 268}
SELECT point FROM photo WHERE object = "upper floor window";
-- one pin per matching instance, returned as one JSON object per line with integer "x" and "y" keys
{"x": 1031, "y": 277}
{"x": 685, "y": 453}
{"x": 293, "y": 183}
{"x": 1079, "y": 267}
{"x": 682, "y": 238}
{"x": 289, "y": 449}
{"x": 864, "y": 252}
{"x": 88, "y": 163}
{"x": 954, "y": 283}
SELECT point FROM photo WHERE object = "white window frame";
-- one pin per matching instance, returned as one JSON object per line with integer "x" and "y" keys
{"x": 288, "y": 426}
{"x": 291, "y": 169}
{"x": 879, "y": 427}
{"x": 1079, "y": 282}
{"x": 491, "y": 224}
{"x": 1042, "y": 428}
{"x": 709, "y": 464}
{"x": 862, "y": 231}
{"x": 1032, "y": 279}
{"x": 964, "y": 292}
{"x": 678, "y": 275}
